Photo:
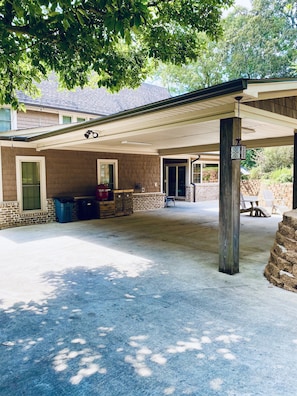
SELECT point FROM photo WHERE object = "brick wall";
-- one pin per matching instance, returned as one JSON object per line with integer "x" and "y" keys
{"x": 10, "y": 215}
{"x": 202, "y": 192}
{"x": 147, "y": 201}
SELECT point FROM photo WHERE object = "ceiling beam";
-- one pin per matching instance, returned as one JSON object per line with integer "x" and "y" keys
{"x": 257, "y": 143}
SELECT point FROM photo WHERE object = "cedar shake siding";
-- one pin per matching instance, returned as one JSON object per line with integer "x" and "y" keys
{"x": 285, "y": 106}
{"x": 31, "y": 119}
{"x": 75, "y": 173}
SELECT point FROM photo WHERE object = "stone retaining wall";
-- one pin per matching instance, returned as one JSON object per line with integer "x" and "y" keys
{"x": 283, "y": 192}
{"x": 281, "y": 269}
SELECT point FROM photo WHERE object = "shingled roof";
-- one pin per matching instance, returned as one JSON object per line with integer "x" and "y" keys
{"x": 93, "y": 100}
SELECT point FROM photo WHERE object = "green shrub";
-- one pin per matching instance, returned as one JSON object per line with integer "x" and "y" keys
{"x": 284, "y": 175}
{"x": 255, "y": 173}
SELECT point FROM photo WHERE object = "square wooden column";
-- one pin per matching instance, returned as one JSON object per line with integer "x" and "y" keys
{"x": 229, "y": 217}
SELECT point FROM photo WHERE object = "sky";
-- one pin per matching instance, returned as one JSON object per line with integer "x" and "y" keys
{"x": 244, "y": 3}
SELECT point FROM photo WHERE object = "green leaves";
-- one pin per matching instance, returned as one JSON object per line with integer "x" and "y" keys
{"x": 257, "y": 43}
{"x": 115, "y": 38}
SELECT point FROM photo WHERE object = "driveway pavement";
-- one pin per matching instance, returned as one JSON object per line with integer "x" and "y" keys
{"x": 136, "y": 306}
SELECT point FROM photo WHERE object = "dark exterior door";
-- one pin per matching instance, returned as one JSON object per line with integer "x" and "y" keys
{"x": 176, "y": 177}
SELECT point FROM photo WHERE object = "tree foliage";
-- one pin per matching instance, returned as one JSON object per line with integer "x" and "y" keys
{"x": 252, "y": 156}
{"x": 257, "y": 43}
{"x": 262, "y": 42}
{"x": 273, "y": 164}
{"x": 272, "y": 158}
{"x": 115, "y": 39}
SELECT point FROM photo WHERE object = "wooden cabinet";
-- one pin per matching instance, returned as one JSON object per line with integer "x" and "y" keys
{"x": 122, "y": 205}
{"x": 105, "y": 209}
{"x": 123, "y": 202}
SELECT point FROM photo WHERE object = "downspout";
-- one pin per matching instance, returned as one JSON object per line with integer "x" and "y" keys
{"x": 193, "y": 184}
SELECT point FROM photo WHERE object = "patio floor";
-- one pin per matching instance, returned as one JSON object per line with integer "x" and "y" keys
{"x": 135, "y": 306}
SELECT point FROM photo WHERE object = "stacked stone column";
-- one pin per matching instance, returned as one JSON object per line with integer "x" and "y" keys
{"x": 281, "y": 269}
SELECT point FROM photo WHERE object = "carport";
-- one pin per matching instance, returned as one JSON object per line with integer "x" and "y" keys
{"x": 259, "y": 113}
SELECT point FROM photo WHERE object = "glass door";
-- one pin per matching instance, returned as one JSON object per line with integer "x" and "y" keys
{"x": 176, "y": 180}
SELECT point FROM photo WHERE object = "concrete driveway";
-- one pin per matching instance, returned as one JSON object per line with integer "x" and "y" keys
{"x": 136, "y": 306}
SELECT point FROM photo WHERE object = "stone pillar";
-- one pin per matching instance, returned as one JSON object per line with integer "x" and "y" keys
{"x": 281, "y": 269}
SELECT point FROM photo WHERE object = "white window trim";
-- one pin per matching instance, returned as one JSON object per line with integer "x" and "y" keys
{"x": 114, "y": 162}
{"x": 41, "y": 161}
{"x": 201, "y": 164}
{"x": 73, "y": 117}
{"x": 13, "y": 117}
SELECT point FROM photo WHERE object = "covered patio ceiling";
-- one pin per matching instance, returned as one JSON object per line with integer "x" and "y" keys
{"x": 186, "y": 124}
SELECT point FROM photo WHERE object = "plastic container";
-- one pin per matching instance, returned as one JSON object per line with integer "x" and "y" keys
{"x": 64, "y": 209}
{"x": 86, "y": 209}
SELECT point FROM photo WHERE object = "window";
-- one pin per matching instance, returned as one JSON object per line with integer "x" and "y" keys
{"x": 69, "y": 119}
{"x": 196, "y": 173}
{"x": 66, "y": 119}
{"x": 107, "y": 171}
{"x": 31, "y": 189}
{"x": 5, "y": 120}
{"x": 205, "y": 173}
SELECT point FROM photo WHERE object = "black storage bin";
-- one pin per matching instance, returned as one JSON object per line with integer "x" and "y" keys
{"x": 86, "y": 209}
{"x": 64, "y": 209}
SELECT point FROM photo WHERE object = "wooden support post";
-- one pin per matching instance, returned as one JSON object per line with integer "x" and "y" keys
{"x": 295, "y": 171}
{"x": 229, "y": 204}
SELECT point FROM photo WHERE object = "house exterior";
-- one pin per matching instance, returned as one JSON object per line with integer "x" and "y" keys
{"x": 150, "y": 150}
{"x": 30, "y": 178}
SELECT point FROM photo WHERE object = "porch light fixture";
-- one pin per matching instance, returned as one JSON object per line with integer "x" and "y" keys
{"x": 238, "y": 151}
{"x": 91, "y": 133}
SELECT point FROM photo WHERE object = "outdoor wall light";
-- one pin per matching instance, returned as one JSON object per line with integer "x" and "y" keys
{"x": 238, "y": 151}
{"x": 91, "y": 133}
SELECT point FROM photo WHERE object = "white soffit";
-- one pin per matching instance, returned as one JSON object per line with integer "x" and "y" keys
{"x": 179, "y": 126}
{"x": 270, "y": 90}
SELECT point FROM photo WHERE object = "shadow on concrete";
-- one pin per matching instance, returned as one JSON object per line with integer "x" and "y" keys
{"x": 97, "y": 335}
{"x": 136, "y": 306}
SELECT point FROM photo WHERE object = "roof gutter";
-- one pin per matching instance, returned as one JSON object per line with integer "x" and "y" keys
{"x": 195, "y": 96}
{"x": 14, "y": 138}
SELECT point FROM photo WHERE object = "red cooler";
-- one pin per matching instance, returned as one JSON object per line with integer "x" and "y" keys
{"x": 102, "y": 192}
